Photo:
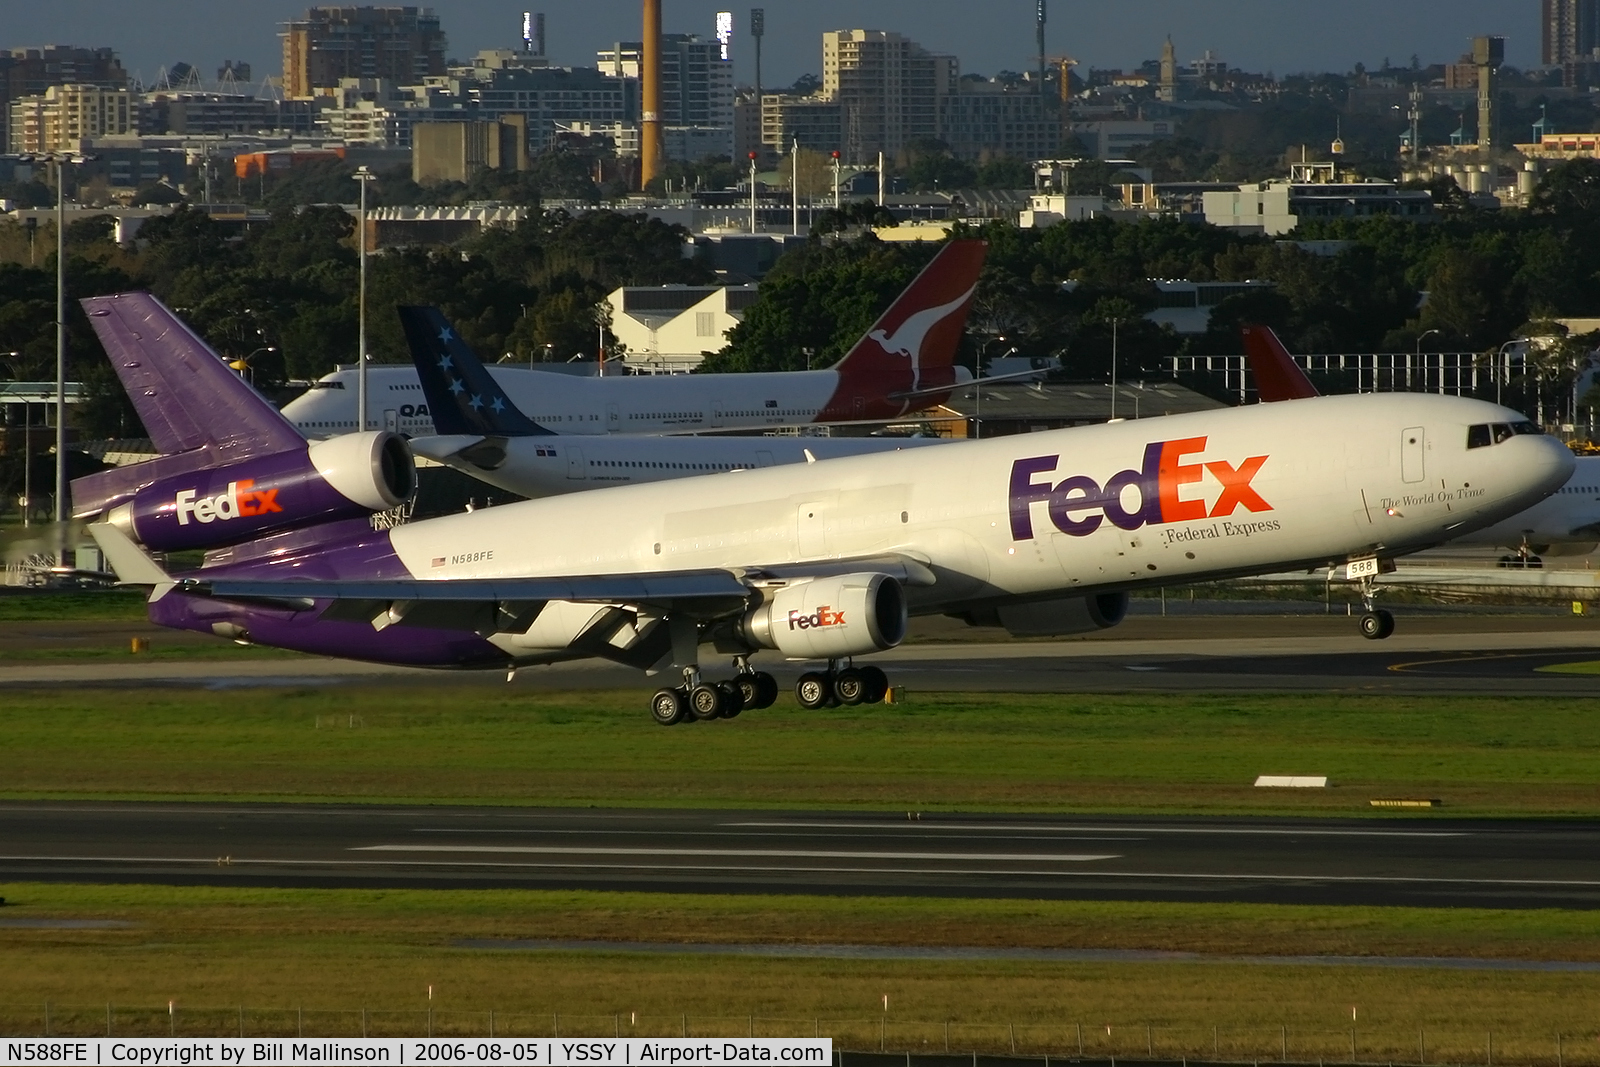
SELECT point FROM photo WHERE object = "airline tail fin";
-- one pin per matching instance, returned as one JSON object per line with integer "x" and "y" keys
{"x": 913, "y": 344}
{"x": 198, "y": 412}
{"x": 1278, "y": 376}
{"x": 463, "y": 397}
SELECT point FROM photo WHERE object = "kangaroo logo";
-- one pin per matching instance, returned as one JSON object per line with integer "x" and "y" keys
{"x": 907, "y": 340}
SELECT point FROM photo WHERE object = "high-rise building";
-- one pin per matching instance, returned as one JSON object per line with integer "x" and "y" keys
{"x": 810, "y": 121}
{"x": 889, "y": 89}
{"x": 66, "y": 116}
{"x": 1570, "y": 31}
{"x": 401, "y": 44}
{"x": 30, "y": 71}
{"x": 696, "y": 82}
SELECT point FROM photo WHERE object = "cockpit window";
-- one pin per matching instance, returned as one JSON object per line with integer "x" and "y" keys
{"x": 1493, "y": 433}
{"x": 335, "y": 384}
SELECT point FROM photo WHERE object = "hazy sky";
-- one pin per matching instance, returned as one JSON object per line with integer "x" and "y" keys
{"x": 988, "y": 35}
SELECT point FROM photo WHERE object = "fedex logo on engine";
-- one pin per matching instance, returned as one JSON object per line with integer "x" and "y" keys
{"x": 1168, "y": 489}
{"x": 240, "y": 499}
{"x": 823, "y": 617}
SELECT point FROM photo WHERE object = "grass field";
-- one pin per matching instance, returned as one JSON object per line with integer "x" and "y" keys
{"x": 488, "y": 743}
{"x": 349, "y": 949}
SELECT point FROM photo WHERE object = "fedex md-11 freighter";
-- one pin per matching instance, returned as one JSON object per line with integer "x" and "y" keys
{"x": 1043, "y": 533}
{"x": 905, "y": 363}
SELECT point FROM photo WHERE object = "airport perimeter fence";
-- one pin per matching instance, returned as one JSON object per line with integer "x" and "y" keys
{"x": 880, "y": 1042}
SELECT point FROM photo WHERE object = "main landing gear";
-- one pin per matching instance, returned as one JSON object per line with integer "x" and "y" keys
{"x": 698, "y": 700}
{"x": 833, "y": 687}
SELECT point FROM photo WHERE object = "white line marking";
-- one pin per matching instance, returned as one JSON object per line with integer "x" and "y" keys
{"x": 1063, "y": 875}
{"x": 561, "y": 850}
{"x": 973, "y": 827}
{"x": 719, "y": 832}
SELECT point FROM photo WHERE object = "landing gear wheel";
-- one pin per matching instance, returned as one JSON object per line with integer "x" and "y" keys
{"x": 732, "y": 698}
{"x": 1376, "y": 625}
{"x": 850, "y": 687}
{"x": 877, "y": 684}
{"x": 666, "y": 707}
{"x": 813, "y": 690}
{"x": 705, "y": 702}
{"x": 766, "y": 690}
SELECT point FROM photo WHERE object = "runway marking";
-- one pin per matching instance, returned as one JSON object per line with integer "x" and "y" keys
{"x": 1265, "y": 831}
{"x": 563, "y": 850}
{"x": 209, "y": 861}
{"x": 718, "y": 832}
{"x": 1470, "y": 657}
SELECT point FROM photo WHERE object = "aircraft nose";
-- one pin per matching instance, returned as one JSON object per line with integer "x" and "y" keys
{"x": 1545, "y": 462}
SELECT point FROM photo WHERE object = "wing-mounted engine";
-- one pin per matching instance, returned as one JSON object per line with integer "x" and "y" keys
{"x": 339, "y": 478}
{"x": 1055, "y": 618}
{"x": 829, "y": 617}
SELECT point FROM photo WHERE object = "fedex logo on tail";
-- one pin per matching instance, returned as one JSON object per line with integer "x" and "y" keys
{"x": 240, "y": 499}
{"x": 1169, "y": 487}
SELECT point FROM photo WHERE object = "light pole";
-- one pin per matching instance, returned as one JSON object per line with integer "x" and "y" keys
{"x": 27, "y": 452}
{"x": 362, "y": 175}
{"x": 836, "y": 181}
{"x": 794, "y": 184}
{"x": 243, "y": 364}
{"x": 1114, "y": 324}
{"x": 1420, "y": 338}
{"x": 1501, "y": 362}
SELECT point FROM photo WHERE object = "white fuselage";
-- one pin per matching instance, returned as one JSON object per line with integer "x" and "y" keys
{"x": 1248, "y": 490}
{"x": 1570, "y": 516}
{"x": 550, "y": 466}
{"x": 569, "y": 404}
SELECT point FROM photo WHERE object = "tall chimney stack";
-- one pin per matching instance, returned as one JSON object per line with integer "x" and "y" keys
{"x": 650, "y": 90}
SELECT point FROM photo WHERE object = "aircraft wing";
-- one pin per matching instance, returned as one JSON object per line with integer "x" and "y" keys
{"x": 660, "y": 588}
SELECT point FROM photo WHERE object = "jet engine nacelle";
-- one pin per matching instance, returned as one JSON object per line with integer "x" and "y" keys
{"x": 340, "y": 478}
{"x": 824, "y": 618}
{"x": 1056, "y": 618}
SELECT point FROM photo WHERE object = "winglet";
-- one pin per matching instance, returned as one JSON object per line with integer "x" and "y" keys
{"x": 133, "y": 566}
{"x": 1278, "y": 376}
{"x": 463, "y": 396}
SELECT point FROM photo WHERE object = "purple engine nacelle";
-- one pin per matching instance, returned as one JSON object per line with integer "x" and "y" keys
{"x": 340, "y": 478}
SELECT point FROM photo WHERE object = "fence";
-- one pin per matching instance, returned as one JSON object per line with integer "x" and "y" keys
{"x": 882, "y": 1036}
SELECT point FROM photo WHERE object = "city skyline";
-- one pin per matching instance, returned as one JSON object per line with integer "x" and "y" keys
{"x": 1286, "y": 36}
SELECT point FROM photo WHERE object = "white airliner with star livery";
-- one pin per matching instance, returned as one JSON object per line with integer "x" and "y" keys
{"x": 904, "y": 364}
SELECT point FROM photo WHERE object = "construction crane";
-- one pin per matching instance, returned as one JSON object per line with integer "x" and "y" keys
{"x": 1064, "y": 65}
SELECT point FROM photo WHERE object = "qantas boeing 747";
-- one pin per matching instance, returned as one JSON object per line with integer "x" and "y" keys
{"x": 905, "y": 363}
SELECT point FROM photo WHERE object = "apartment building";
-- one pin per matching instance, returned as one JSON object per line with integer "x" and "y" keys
{"x": 66, "y": 116}
{"x": 326, "y": 44}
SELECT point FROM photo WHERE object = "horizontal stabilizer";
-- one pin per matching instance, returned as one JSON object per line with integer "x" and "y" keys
{"x": 132, "y": 565}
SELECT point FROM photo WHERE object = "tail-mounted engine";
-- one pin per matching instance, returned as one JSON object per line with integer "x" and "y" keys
{"x": 340, "y": 478}
{"x": 826, "y": 618}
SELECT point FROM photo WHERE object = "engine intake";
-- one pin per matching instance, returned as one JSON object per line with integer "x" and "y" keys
{"x": 340, "y": 478}
{"x": 823, "y": 618}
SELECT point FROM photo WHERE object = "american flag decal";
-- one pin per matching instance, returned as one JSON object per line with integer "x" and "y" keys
{"x": 438, "y": 561}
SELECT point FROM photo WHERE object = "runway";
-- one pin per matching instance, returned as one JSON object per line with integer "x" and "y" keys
{"x": 1323, "y": 658}
{"x": 1422, "y": 861}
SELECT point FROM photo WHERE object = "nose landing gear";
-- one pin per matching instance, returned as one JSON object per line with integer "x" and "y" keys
{"x": 1375, "y": 623}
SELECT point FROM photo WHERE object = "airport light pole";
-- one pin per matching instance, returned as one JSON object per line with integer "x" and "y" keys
{"x": 1420, "y": 338}
{"x": 61, "y": 160}
{"x": 1114, "y": 324}
{"x": 364, "y": 176}
{"x": 752, "y": 192}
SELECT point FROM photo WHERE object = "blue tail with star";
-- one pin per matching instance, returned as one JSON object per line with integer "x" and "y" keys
{"x": 462, "y": 395}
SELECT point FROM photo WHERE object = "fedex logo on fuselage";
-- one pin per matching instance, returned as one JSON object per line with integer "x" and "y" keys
{"x": 240, "y": 499}
{"x": 1078, "y": 505}
{"x": 822, "y": 617}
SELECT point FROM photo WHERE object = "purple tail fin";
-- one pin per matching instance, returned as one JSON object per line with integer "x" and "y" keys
{"x": 198, "y": 412}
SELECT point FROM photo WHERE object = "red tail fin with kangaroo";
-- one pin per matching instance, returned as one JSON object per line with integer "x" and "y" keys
{"x": 1278, "y": 376}
{"x": 907, "y": 360}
